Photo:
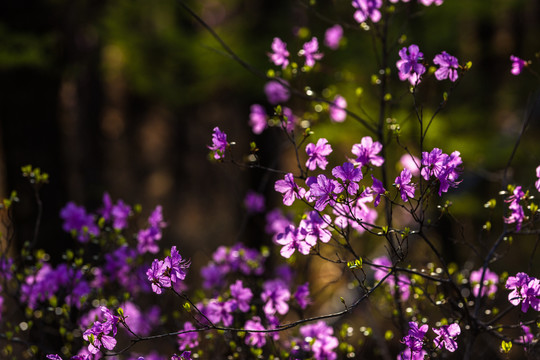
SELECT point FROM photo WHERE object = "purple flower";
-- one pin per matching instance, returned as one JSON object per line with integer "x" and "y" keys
{"x": 302, "y": 295}
{"x": 527, "y": 338}
{"x": 310, "y": 52}
{"x": 293, "y": 239}
{"x": 289, "y": 189}
{"x": 318, "y": 338}
{"x": 188, "y": 339}
{"x": 489, "y": 284}
{"x": 445, "y": 337}
{"x": 258, "y": 119}
{"x": 140, "y": 322}
{"x": 516, "y": 210}
{"x": 175, "y": 266}
{"x": 366, "y": 152}
{"x": 323, "y": 191}
{"x": 448, "y": 66}
{"x": 408, "y": 354}
{"x": 219, "y": 144}
{"x": 314, "y": 227}
{"x": 537, "y": 183}
{"x": 430, "y": 2}
{"x": 98, "y": 334}
{"x": 317, "y": 154}
{"x": 218, "y": 311}
{"x": 254, "y": 202}
{"x": 367, "y": 9}
{"x": 276, "y": 93}
{"x": 241, "y": 296}
{"x": 257, "y": 339}
{"x": 280, "y": 55}
{"x": 442, "y": 166}
{"x": 415, "y": 337}
{"x": 356, "y": 215}
{"x": 275, "y": 296}
{"x": 403, "y": 183}
{"x": 337, "y": 109}
{"x": 157, "y": 276}
{"x": 276, "y": 223}
{"x": 147, "y": 238}
{"x": 410, "y": 66}
{"x": 332, "y": 37}
{"x": 78, "y": 221}
{"x": 350, "y": 175}
{"x": 378, "y": 189}
{"x": 525, "y": 290}
{"x": 517, "y": 65}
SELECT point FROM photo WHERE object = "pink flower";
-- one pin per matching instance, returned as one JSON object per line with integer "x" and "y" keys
{"x": 317, "y": 154}
{"x": 517, "y": 65}
{"x": 446, "y": 335}
{"x": 310, "y": 52}
{"x": 257, "y": 119}
{"x": 280, "y": 55}
{"x": 332, "y": 37}
{"x": 337, "y": 109}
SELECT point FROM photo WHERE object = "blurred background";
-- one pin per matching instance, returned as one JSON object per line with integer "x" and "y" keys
{"x": 122, "y": 96}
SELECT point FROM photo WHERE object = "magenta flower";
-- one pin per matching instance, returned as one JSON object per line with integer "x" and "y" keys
{"x": 403, "y": 183}
{"x": 76, "y": 220}
{"x": 337, "y": 109}
{"x": 254, "y": 202}
{"x": 431, "y": 2}
{"x": 157, "y": 276}
{"x": 219, "y": 144}
{"x": 490, "y": 282}
{"x": 175, "y": 266}
{"x": 275, "y": 296}
{"x": 528, "y": 337}
{"x": 310, "y": 51}
{"x": 289, "y": 189}
{"x": 317, "y": 154}
{"x": 323, "y": 191}
{"x": 302, "y": 295}
{"x": 525, "y": 291}
{"x": 537, "y": 183}
{"x": 445, "y": 337}
{"x": 448, "y": 66}
{"x": 377, "y": 189}
{"x": 517, "y": 65}
{"x": 333, "y": 36}
{"x": 415, "y": 337}
{"x": 349, "y": 175}
{"x": 366, "y": 152}
{"x": 293, "y": 239}
{"x": 517, "y": 214}
{"x": 314, "y": 227}
{"x": 188, "y": 339}
{"x": 258, "y": 120}
{"x": 276, "y": 92}
{"x": 218, "y": 311}
{"x": 410, "y": 66}
{"x": 319, "y": 339}
{"x": 241, "y": 296}
{"x": 408, "y": 354}
{"x": 367, "y": 9}
{"x": 257, "y": 339}
{"x": 280, "y": 55}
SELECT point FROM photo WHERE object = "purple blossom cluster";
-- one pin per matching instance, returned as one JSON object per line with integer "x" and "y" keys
{"x": 525, "y": 291}
{"x": 318, "y": 341}
{"x": 102, "y": 333}
{"x": 414, "y": 340}
{"x": 411, "y": 65}
{"x": 310, "y": 50}
{"x": 517, "y": 215}
{"x": 168, "y": 272}
{"x": 403, "y": 284}
{"x": 489, "y": 287}
{"x": 219, "y": 144}
{"x": 78, "y": 222}
{"x": 442, "y": 167}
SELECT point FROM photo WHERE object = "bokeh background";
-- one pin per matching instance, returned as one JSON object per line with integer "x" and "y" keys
{"x": 122, "y": 96}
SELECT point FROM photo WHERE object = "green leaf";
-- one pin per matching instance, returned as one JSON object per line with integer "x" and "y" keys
{"x": 506, "y": 346}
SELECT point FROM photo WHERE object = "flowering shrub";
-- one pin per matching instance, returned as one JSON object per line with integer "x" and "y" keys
{"x": 346, "y": 215}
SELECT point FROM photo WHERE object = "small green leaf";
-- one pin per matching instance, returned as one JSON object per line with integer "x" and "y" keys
{"x": 506, "y": 346}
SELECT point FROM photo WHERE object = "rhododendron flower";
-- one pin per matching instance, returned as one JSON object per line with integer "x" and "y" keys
{"x": 350, "y": 176}
{"x": 302, "y": 295}
{"x": 448, "y": 66}
{"x": 323, "y": 190}
{"x": 415, "y": 337}
{"x": 188, "y": 339}
{"x": 241, "y": 296}
{"x": 314, "y": 227}
{"x": 317, "y": 154}
{"x": 403, "y": 183}
{"x": 310, "y": 51}
{"x": 293, "y": 239}
{"x": 490, "y": 282}
{"x": 367, "y": 9}
{"x": 218, "y": 311}
{"x": 445, "y": 337}
{"x": 276, "y": 92}
{"x": 254, "y": 202}
{"x": 219, "y": 143}
{"x": 337, "y": 109}
{"x": 430, "y": 2}
{"x": 537, "y": 183}
{"x": 408, "y": 354}
{"x": 258, "y": 119}
{"x": 517, "y": 65}
{"x": 517, "y": 214}
{"x": 78, "y": 221}
{"x": 410, "y": 66}
{"x": 410, "y": 162}
{"x": 257, "y": 339}
{"x": 332, "y": 37}
{"x": 319, "y": 340}
{"x": 289, "y": 189}
{"x": 525, "y": 291}
{"x": 366, "y": 152}
{"x": 280, "y": 55}
{"x": 275, "y": 296}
